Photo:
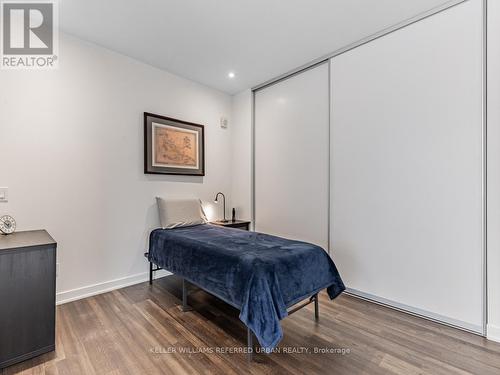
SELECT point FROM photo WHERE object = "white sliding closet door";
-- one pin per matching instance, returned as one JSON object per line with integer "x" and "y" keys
{"x": 291, "y": 157}
{"x": 407, "y": 168}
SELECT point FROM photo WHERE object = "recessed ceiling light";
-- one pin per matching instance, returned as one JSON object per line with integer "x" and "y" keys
{"x": 231, "y": 75}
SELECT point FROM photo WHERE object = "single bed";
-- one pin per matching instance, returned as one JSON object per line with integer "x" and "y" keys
{"x": 259, "y": 274}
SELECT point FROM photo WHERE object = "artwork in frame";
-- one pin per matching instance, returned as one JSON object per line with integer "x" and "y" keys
{"x": 173, "y": 146}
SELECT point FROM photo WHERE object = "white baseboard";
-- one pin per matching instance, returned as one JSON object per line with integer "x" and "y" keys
{"x": 107, "y": 286}
{"x": 476, "y": 329}
{"x": 493, "y": 333}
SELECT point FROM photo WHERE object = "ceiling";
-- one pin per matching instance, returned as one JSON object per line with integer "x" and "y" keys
{"x": 204, "y": 40}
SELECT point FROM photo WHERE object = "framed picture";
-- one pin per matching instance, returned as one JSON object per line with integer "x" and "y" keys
{"x": 173, "y": 146}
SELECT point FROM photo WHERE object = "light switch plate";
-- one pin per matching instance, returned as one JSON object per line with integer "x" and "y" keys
{"x": 4, "y": 194}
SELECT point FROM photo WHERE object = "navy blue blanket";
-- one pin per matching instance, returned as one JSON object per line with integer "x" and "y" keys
{"x": 259, "y": 274}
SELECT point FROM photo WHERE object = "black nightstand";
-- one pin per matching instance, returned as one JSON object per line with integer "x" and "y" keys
{"x": 240, "y": 224}
{"x": 27, "y": 296}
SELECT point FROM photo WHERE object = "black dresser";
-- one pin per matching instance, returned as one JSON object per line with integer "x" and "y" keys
{"x": 27, "y": 295}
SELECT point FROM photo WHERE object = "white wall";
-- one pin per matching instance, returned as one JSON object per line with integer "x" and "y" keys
{"x": 71, "y": 142}
{"x": 494, "y": 170}
{"x": 241, "y": 169}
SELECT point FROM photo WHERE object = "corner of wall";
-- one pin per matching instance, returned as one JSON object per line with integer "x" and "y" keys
{"x": 493, "y": 157}
{"x": 493, "y": 333}
{"x": 241, "y": 167}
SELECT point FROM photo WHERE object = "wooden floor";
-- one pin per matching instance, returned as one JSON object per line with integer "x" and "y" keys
{"x": 141, "y": 330}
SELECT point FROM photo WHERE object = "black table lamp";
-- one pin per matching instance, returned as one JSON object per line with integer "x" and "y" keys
{"x": 216, "y": 200}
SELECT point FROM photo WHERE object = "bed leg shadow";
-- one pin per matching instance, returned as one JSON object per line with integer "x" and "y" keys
{"x": 316, "y": 307}
{"x": 249, "y": 345}
{"x": 185, "y": 306}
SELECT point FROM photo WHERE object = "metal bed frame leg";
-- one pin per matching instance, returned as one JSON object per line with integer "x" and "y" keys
{"x": 185, "y": 306}
{"x": 249, "y": 344}
{"x": 316, "y": 307}
{"x": 152, "y": 269}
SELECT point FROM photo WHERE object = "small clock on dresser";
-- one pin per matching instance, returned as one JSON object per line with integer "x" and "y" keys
{"x": 7, "y": 224}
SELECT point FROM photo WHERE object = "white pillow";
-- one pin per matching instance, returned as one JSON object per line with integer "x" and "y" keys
{"x": 180, "y": 213}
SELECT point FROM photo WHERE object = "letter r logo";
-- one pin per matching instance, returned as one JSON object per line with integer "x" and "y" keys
{"x": 28, "y": 28}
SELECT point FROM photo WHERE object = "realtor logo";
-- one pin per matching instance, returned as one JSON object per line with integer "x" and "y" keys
{"x": 29, "y": 35}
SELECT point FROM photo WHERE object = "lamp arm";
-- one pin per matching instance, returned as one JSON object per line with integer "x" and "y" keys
{"x": 223, "y": 202}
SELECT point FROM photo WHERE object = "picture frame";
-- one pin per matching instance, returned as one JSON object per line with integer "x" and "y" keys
{"x": 173, "y": 147}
